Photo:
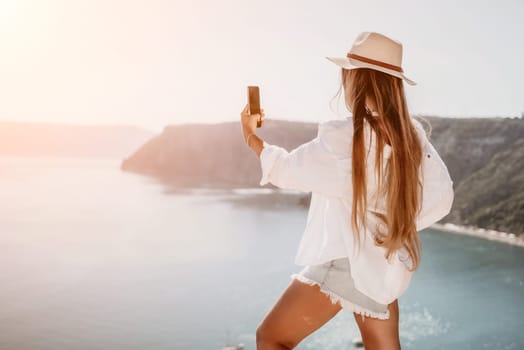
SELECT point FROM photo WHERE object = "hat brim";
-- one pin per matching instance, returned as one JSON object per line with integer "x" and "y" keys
{"x": 350, "y": 63}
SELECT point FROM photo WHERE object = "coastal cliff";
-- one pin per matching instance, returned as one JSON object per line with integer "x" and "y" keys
{"x": 485, "y": 157}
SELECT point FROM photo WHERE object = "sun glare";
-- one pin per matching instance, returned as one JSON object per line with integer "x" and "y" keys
{"x": 7, "y": 14}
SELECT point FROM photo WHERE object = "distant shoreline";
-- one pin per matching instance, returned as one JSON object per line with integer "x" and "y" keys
{"x": 500, "y": 236}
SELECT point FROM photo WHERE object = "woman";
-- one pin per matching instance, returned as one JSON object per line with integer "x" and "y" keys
{"x": 375, "y": 180}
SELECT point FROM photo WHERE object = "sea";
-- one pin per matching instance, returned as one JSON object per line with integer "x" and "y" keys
{"x": 95, "y": 258}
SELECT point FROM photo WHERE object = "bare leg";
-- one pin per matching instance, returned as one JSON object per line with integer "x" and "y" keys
{"x": 301, "y": 310}
{"x": 380, "y": 334}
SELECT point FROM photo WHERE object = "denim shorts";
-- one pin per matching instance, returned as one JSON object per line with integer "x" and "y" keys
{"x": 334, "y": 279}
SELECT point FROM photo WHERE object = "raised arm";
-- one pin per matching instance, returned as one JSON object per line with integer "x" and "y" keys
{"x": 309, "y": 167}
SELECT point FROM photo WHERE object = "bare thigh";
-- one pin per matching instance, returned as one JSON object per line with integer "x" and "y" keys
{"x": 300, "y": 310}
{"x": 380, "y": 334}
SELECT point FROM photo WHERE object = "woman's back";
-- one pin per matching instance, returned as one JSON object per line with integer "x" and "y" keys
{"x": 323, "y": 167}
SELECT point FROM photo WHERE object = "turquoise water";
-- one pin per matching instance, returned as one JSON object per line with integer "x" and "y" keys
{"x": 95, "y": 258}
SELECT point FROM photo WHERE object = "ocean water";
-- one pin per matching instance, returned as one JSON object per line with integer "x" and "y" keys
{"x": 96, "y": 258}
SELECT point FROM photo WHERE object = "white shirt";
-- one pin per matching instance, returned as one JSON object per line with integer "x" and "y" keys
{"x": 322, "y": 166}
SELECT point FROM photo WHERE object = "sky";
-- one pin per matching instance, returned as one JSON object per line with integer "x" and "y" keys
{"x": 155, "y": 63}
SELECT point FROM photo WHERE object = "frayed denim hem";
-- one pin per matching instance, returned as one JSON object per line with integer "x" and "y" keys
{"x": 346, "y": 304}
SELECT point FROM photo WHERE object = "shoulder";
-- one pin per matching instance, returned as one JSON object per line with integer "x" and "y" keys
{"x": 336, "y": 135}
{"x": 417, "y": 123}
{"x": 339, "y": 125}
{"x": 420, "y": 129}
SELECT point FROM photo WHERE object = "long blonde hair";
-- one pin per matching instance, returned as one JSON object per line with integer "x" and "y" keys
{"x": 401, "y": 183}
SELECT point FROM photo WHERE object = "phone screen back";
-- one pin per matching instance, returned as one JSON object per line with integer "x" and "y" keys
{"x": 254, "y": 99}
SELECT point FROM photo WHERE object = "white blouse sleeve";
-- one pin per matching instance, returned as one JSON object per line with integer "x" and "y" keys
{"x": 307, "y": 168}
{"x": 438, "y": 193}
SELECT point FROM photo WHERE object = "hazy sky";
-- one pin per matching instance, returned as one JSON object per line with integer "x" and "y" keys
{"x": 153, "y": 63}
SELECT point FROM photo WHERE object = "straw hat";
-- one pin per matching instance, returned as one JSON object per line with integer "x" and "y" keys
{"x": 376, "y": 51}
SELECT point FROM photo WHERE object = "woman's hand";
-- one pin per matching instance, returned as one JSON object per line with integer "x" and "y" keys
{"x": 249, "y": 121}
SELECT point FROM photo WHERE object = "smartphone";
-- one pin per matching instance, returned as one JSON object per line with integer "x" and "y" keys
{"x": 253, "y": 97}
